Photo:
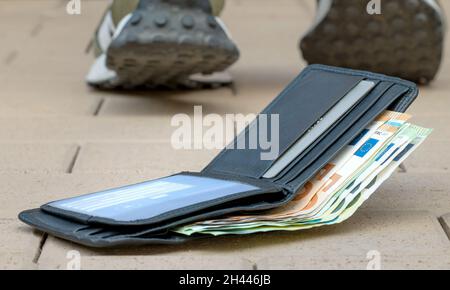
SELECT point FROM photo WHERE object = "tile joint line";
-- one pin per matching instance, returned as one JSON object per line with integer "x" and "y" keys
{"x": 99, "y": 107}
{"x": 74, "y": 160}
{"x": 40, "y": 248}
{"x": 444, "y": 226}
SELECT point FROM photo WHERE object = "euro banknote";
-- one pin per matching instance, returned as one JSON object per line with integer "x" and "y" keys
{"x": 339, "y": 189}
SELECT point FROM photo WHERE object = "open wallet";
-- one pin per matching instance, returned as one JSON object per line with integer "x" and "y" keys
{"x": 320, "y": 112}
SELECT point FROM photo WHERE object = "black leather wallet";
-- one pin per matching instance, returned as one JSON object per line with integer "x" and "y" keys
{"x": 236, "y": 180}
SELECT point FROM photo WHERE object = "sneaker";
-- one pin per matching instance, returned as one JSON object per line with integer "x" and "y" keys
{"x": 160, "y": 43}
{"x": 405, "y": 40}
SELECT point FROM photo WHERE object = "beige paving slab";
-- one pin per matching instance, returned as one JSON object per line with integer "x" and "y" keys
{"x": 60, "y": 91}
{"x": 261, "y": 47}
{"x": 38, "y": 104}
{"x": 58, "y": 67}
{"x": 399, "y": 236}
{"x": 84, "y": 129}
{"x": 21, "y": 191}
{"x": 62, "y": 259}
{"x": 373, "y": 260}
{"x": 437, "y": 122}
{"x": 19, "y": 18}
{"x": 433, "y": 100}
{"x": 74, "y": 97}
{"x": 257, "y": 87}
{"x": 432, "y": 156}
{"x": 169, "y": 263}
{"x": 141, "y": 157}
{"x": 31, "y": 157}
{"x": 414, "y": 190}
{"x": 45, "y": 58}
{"x": 169, "y": 103}
{"x": 18, "y": 246}
{"x": 67, "y": 34}
{"x": 150, "y": 129}
{"x": 265, "y": 66}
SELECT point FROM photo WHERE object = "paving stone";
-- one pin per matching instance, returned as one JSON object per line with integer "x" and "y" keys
{"x": 217, "y": 101}
{"x": 21, "y": 191}
{"x": 18, "y": 20}
{"x": 141, "y": 157}
{"x": 433, "y": 155}
{"x": 289, "y": 21}
{"x": 256, "y": 88}
{"x": 432, "y": 100}
{"x": 154, "y": 129}
{"x": 86, "y": 129}
{"x": 187, "y": 261}
{"x": 33, "y": 105}
{"x": 437, "y": 122}
{"x": 414, "y": 190}
{"x": 37, "y": 98}
{"x": 403, "y": 239}
{"x": 58, "y": 68}
{"x": 213, "y": 101}
{"x": 51, "y": 24}
{"x": 19, "y": 245}
{"x": 252, "y": 74}
{"x": 63, "y": 88}
{"x": 359, "y": 262}
{"x": 31, "y": 157}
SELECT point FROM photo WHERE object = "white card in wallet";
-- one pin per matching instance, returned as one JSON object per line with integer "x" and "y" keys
{"x": 332, "y": 116}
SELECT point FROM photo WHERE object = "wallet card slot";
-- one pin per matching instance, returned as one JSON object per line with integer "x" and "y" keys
{"x": 299, "y": 107}
{"x": 306, "y": 171}
{"x": 333, "y": 133}
{"x": 321, "y": 128}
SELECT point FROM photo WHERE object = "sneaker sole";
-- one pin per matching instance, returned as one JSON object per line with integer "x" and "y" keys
{"x": 405, "y": 40}
{"x": 165, "y": 42}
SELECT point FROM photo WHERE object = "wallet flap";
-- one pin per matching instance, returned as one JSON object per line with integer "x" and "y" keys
{"x": 299, "y": 107}
{"x": 94, "y": 236}
{"x": 345, "y": 133}
{"x": 330, "y": 136}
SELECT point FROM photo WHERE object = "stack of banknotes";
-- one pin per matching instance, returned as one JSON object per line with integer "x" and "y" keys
{"x": 339, "y": 189}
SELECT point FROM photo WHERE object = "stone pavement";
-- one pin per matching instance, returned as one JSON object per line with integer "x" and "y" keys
{"x": 59, "y": 138}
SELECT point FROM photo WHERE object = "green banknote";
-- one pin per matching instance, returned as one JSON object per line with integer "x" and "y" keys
{"x": 360, "y": 174}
